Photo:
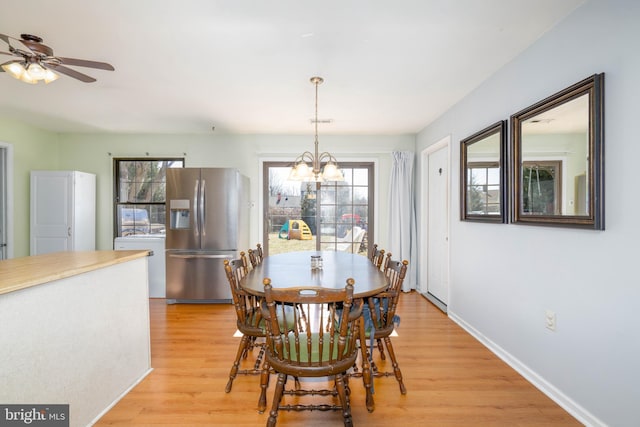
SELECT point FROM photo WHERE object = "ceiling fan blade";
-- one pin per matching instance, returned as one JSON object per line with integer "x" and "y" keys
{"x": 5, "y": 38}
{"x": 71, "y": 73}
{"x": 6, "y": 53}
{"x": 85, "y": 63}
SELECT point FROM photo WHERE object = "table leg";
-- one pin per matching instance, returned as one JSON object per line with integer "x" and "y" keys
{"x": 366, "y": 368}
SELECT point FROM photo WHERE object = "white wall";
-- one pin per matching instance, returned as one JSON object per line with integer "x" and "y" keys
{"x": 504, "y": 277}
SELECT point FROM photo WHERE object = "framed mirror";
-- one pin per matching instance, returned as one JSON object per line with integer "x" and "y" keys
{"x": 483, "y": 175}
{"x": 557, "y": 158}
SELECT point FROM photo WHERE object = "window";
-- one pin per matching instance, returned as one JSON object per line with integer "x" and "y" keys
{"x": 139, "y": 195}
{"x": 541, "y": 187}
{"x": 345, "y": 211}
{"x": 335, "y": 216}
{"x": 483, "y": 188}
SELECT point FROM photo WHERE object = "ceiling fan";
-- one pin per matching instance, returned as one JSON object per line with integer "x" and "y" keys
{"x": 37, "y": 61}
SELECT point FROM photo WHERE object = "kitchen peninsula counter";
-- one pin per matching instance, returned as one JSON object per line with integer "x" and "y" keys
{"x": 21, "y": 273}
{"x": 74, "y": 328}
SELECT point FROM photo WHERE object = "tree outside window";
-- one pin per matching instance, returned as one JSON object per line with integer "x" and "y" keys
{"x": 140, "y": 195}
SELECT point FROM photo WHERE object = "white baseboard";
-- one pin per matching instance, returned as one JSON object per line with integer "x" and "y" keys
{"x": 577, "y": 411}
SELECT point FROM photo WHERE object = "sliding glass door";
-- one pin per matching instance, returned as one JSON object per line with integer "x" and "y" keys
{"x": 336, "y": 216}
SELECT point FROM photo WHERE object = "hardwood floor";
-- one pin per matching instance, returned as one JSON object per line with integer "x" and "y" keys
{"x": 451, "y": 379}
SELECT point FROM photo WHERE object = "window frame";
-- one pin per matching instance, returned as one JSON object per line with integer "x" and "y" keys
{"x": 117, "y": 163}
{"x": 485, "y": 166}
{"x": 370, "y": 166}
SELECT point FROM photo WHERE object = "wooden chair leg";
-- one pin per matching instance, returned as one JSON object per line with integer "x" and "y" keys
{"x": 394, "y": 363}
{"x": 277, "y": 396}
{"x": 264, "y": 385}
{"x": 242, "y": 349}
{"x": 366, "y": 369}
{"x": 381, "y": 349}
{"x": 341, "y": 388}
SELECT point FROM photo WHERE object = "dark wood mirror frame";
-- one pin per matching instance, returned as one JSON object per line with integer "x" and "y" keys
{"x": 573, "y": 197}
{"x": 494, "y": 140}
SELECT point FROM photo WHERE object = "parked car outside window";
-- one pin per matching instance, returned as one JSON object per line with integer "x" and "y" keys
{"x": 134, "y": 221}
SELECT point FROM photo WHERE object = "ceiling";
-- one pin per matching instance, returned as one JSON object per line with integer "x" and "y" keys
{"x": 243, "y": 66}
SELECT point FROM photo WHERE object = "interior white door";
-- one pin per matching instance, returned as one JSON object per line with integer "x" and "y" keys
{"x": 437, "y": 218}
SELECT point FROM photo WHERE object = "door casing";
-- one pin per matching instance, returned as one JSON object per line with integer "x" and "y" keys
{"x": 432, "y": 243}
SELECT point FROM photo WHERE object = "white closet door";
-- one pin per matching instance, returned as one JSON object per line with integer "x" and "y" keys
{"x": 436, "y": 194}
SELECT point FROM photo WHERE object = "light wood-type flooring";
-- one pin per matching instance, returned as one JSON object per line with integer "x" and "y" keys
{"x": 451, "y": 379}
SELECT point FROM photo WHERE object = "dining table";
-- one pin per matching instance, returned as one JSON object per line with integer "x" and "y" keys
{"x": 294, "y": 270}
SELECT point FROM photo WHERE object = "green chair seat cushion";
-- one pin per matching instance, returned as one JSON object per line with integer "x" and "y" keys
{"x": 255, "y": 319}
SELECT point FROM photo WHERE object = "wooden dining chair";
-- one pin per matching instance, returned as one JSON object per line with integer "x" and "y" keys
{"x": 322, "y": 342}
{"x": 380, "y": 319}
{"x": 256, "y": 256}
{"x": 249, "y": 319}
{"x": 377, "y": 256}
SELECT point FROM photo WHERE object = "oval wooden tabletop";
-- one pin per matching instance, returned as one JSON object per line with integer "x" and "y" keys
{"x": 293, "y": 270}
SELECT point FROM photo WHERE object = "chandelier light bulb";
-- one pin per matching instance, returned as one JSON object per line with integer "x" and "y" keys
{"x": 330, "y": 171}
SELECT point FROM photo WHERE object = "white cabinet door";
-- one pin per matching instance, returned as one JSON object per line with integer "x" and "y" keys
{"x": 62, "y": 211}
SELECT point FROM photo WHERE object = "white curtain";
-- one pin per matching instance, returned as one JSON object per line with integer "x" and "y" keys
{"x": 402, "y": 217}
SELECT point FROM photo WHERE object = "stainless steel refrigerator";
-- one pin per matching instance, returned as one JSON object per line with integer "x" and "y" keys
{"x": 208, "y": 214}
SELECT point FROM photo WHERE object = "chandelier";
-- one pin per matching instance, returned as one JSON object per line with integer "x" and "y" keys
{"x": 308, "y": 166}
{"x": 29, "y": 72}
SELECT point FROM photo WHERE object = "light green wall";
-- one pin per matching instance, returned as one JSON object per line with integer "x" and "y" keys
{"x": 33, "y": 149}
{"x": 37, "y": 149}
{"x": 94, "y": 153}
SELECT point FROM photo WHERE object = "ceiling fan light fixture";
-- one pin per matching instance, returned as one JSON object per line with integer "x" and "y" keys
{"x": 31, "y": 74}
{"x": 36, "y": 71}
{"x": 26, "y": 77}
{"x": 50, "y": 76}
{"x": 37, "y": 62}
{"x": 14, "y": 69}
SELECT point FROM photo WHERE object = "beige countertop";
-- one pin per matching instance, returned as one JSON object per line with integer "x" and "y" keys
{"x": 21, "y": 273}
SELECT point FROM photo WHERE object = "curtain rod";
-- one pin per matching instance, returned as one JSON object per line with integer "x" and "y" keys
{"x": 147, "y": 154}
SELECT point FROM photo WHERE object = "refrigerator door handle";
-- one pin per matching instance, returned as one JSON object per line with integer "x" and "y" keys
{"x": 196, "y": 229}
{"x": 189, "y": 256}
{"x": 203, "y": 209}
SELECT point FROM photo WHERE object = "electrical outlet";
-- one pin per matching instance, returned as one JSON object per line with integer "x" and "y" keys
{"x": 550, "y": 320}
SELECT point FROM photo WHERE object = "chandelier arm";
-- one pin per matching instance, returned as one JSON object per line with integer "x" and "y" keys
{"x": 328, "y": 157}
{"x": 307, "y": 156}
